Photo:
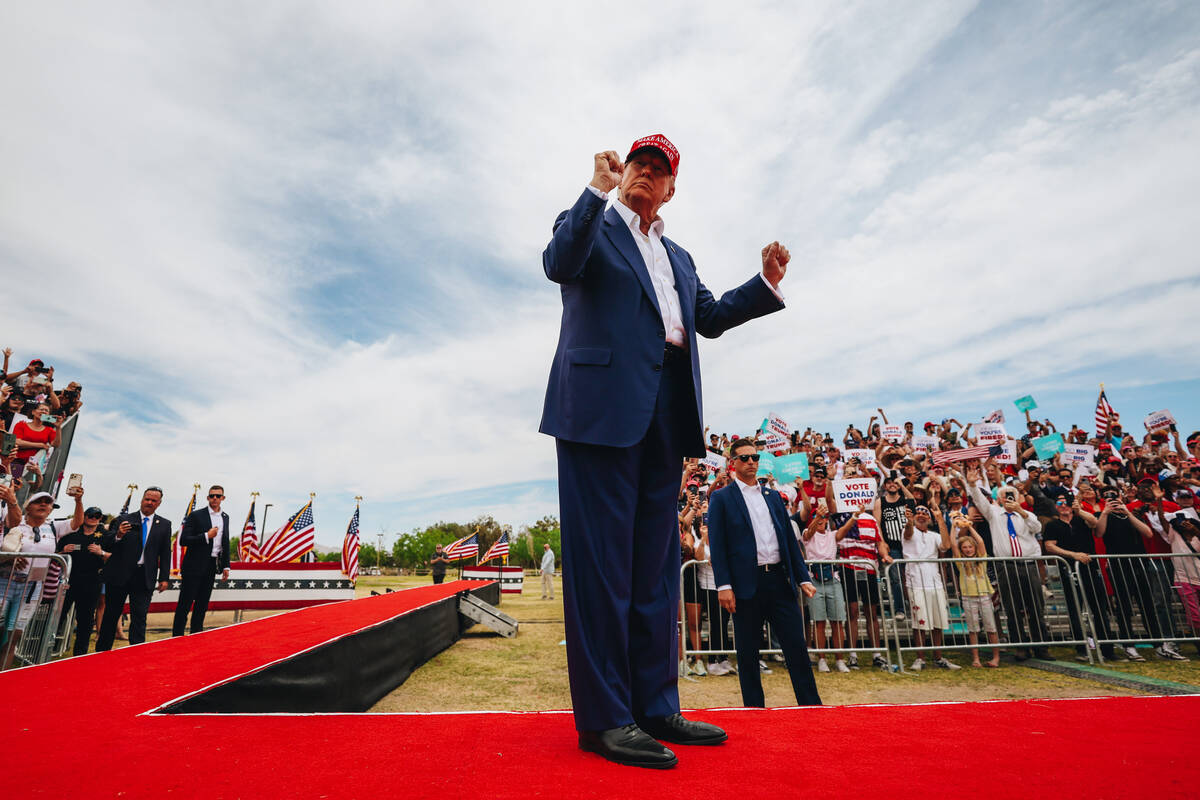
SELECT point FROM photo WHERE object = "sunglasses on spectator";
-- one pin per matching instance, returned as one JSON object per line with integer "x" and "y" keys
{"x": 1060, "y": 502}
{"x": 748, "y": 457}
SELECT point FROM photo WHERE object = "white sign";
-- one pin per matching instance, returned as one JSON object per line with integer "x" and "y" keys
{"x": 775, "y": 441}
{"x": 867, "y": 457}
{"x": 714, "y": 461}
{"x": 852, "y": 493}
{"x": 1009, "y": 455}
{"x": 925, "y": 444}
{"x": 778, "y": 424}
{"x": 995, "y": 416}
{"x": 1079, "y": 454}
{"x": 1159, "y": 420}
{"x": 893, "y": 433}
{"x": 991, "y": 432}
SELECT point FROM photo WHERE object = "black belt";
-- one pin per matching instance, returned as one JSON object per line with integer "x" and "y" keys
{"x": 674, "y": 352}
{"x": 778, "y": 565}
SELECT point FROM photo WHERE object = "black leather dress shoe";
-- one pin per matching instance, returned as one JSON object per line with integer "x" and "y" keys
{"x": 677, "y": 730}
{"x": 628, "y": 745}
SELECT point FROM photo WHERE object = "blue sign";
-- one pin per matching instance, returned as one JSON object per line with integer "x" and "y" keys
{"x": 788, "y": 468}
{"x": 1047, "y": 446}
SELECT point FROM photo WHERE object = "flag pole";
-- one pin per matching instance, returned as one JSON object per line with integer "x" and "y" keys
{"x": 242, "y": 552}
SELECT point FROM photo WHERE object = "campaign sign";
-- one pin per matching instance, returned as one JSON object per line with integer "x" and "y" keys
{"x": 788, "y": 468}
{"x": 1079, "y": 454}
{"x": 925, "y": 444}
{"x": 1159, "y": 421}
{"x": 854, "y": 492}
{"x": 773, "y": 440}
{"x": 893, "y": 433}
{"x": 1025, "y": 403}
{"x": 991, "y": 432}
{"x": 778, "y": 424}
{"x": 766, "y": 465}
{"x": 1047, "y": 446}
{"x": 1009, "y": 455}
{"x": 867, "y": 457}
{"x": 714, "y": 461}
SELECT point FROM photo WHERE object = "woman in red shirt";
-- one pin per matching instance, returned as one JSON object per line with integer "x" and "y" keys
{"x": 33, "y": 436}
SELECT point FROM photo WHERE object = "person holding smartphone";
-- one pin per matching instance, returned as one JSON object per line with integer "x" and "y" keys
{"x": 34, "y": 436}
{"x": 83, "y": 591}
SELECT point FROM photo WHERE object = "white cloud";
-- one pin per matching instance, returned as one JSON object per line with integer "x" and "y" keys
{"x": 197, "y": 184}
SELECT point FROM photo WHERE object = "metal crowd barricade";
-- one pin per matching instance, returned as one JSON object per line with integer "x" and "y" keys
{"x": 950, "y": 604}
{"x": 1163, "y": 587}
{"x": 35, "y": 635}
{"x": 708, "y": 632}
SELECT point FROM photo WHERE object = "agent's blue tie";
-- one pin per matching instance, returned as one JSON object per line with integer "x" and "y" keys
{"x": 146, "y": 529}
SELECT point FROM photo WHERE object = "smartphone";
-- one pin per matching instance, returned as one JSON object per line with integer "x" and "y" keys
{"x": 49, "y": 419}
{"x": 5, "y": 479}
{"x": 75, "y": 481}
{"x": 10, "y": 443}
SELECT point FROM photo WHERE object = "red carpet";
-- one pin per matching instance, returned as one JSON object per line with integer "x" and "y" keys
{"x": 80, "y": 728}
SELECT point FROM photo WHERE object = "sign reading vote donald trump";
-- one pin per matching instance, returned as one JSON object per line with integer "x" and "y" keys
{"x": 851, "y": 493}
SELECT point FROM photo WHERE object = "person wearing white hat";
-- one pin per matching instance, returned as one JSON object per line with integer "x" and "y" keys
{"x": 21, "y": 578}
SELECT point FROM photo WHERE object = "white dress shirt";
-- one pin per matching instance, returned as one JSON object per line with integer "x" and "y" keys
{"x": 765, "y": 541}
{"x": 662, "y": 277}
{"x": 219, "y": 524}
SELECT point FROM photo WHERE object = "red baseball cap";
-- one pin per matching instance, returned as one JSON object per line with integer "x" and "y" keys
{"x": 660, "y": 143}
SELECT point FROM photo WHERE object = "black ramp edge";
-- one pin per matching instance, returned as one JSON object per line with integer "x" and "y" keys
{"x": 348, "y": 675}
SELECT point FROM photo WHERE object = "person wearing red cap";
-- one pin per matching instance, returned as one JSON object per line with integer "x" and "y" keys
{"x": 624, "y": 405}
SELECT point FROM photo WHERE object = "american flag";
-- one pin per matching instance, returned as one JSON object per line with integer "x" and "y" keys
{"x": 464, "y": 548}
{"x": 176, "y": 549}
{"x": 350, "y": 548}
{"x": 943, "y": 457}
{"x": 294, "y": 539}
{"x": 248, "y": 543}
{"x": 1103, "y": 412}
{"x": 497, "y": 550}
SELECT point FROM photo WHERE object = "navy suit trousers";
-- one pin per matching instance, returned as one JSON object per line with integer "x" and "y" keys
{"x": 773, "y": 602}
{"x": 621, "y": 560}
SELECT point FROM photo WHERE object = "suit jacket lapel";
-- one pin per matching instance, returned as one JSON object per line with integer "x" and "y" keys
{"x": 742, "y": 507}
{"x": 622, "y": 239}
{"x": 684, "y": 285}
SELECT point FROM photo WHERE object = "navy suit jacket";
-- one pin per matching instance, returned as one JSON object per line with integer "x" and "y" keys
{"x": 732, "y": 548}
{"x": 194, "y": 536}
{"x": 606, "y": 371}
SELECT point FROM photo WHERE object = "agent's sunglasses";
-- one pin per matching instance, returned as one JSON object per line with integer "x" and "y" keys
{"x": 751, "y": 457}
{"x": 214, "y": 496}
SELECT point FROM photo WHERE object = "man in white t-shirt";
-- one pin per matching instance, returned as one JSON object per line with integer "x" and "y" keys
{"x": 22, "y": 577}
{"x": 926, "y": 592}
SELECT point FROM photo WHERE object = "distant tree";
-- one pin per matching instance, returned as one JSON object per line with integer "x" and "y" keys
{"x": 527, "y": 548}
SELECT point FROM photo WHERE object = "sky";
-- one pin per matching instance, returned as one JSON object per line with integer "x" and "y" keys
{"x": 295, "y": 247}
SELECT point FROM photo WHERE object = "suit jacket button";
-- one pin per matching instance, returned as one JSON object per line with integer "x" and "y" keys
{"x": 658, "y": 367}
{"x": 662, "y": 334}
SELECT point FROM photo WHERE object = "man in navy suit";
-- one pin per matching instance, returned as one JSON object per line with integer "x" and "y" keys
{"x": 140, "y": 544}
{"x": 624, "y": 405}
{"x": 205, "y": 534}
{"x": 757, "y": 566}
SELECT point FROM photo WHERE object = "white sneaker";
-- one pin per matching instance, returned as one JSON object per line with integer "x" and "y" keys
{"x": 898, "y": 616}
{"x": 698, "y": 668}
{"x": 918, "y": 665}
{"x": 1132, "y": 654}
{"x": 717, "y": 668}
{"x": 877, "y": 660}
{"x": 728, "y": 666}
{"x": 1046, "y": 593}
{"x": 1172, "y": 651}
{"x": 854, "y": 661}
{"x": 944, "y": 663}
{"x": 778, "y": 657}
{"x": 822, "y": 666}
{"x": 763, "y": 668}
{"x": 841, "y": 666}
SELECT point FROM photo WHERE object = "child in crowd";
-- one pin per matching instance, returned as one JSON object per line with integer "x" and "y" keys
{"x": 974, "y": 588}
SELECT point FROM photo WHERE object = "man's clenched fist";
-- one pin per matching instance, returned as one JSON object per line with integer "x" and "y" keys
{"x": 608, "y": 169}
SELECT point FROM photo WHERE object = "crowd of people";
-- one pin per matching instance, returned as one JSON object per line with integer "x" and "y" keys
{"x": 980, "y": 547}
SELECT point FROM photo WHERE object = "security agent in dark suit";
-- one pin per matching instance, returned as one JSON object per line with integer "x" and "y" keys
{"x": 140, "y": 544}
{"x": 757, "y": 566}
{"x": 205, "y": 534}
{"x": 624, "y": 405}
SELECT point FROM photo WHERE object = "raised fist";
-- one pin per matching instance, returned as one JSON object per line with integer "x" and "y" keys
{"x": 607, "y": 170}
